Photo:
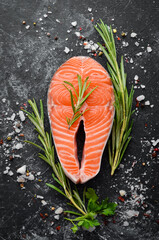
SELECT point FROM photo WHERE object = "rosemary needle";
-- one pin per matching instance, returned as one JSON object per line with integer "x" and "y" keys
{"x": 86, "y": 215}
{"x": 122, "y": 125}
{"x": 78, "y": 98}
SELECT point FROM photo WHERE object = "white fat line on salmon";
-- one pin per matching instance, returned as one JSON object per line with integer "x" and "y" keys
{"x": 61, "y": 139}
{"x": 97, "y": 127}
{"x": 64, "y": 160}
{"x": 100, "y": 124}
{"x": 95, "y": 145}
{"x": 96, "y": 151}
{"x": 95, "y": 139}
{"x": 92, "y": 166}
{"x": 97, "y": 134}
{"x": 58, "y": 145}
{"x": 63, "y": 133}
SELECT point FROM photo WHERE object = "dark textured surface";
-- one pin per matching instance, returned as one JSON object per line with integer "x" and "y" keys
{"x": 28, "y": 61}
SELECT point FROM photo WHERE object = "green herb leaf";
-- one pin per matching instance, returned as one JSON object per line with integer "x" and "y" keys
{"x": 86, "y": 218}
{"x": 123, "y": 101}
{"x": 91, "y": 194}
{"x": 80, "y": 99}
{"x": 74, "y": 228}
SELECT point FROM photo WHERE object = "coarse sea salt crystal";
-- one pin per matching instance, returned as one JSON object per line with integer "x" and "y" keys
{"x": 22, "y": 170}
{"x": 43, "y": 202}
{"x": 122, "y": 193}
{"x": 57, "y": 217}
{"x": 12, "y": 117}
{"x": 59, "y": 210}
{"x": 89, "y": 9}
{"x": 131, "y": 60}
{"x": 4, "y": 100}
{"x": 149, "y": 49}
{"x": 22, "y": 116}
{"x": 57, "y": 20}
{"x": 77, "y": 34}
{"x": 66, "y": 50}
{"x": 45, "y": 15}
{"x": 10, "y": 173}
{"x": 125, "y": 223}
{"x": 27, "y": 27}
{"x": 154, "y": 143}
{"x": 140, "y": 98}
{"x": 88, "y": 46}
{"x": 18, "y": 146}
{"x": 5, "y": 171}
{"x": 137, "y": 44}
{"x": 30, "y": 177}
{"x": 20, "y": 179}
{"x": 132, "y": 213}
{"x": 39, "y": 196}
{"x": 147, "y": 103}
{"x": 136, "y": 77}
{"x": 139, "y": 54}
{"x": 142, "y": 86}
{"x": 133, "y": 34}
{"x": 74, "y": 24}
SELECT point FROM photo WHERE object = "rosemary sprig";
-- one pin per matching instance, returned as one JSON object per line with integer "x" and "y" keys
{"x": 86, "y": 212}
{"x": 79, "y": 99}
{"x": 122, "y": 125}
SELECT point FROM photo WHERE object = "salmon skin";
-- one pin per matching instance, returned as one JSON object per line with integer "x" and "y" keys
{"x": 97, "y": 120}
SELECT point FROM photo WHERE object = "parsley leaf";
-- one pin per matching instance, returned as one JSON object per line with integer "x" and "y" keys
{"x": 90, "y": 194}
{"x": 74, "y": 228}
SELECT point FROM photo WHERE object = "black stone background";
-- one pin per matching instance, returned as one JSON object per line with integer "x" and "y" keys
{"x": 28, "y": 62}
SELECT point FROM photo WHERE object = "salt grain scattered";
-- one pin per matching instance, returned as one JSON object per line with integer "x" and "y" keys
{"x": 45, "y": 15}
{"x": 125, "y": 224}
{"x": 20, "y": 179}
{"x": 139, "y": 54}
{"x": 137, "y": 44}
{"x": 132, "y": 213}
{"x": 22, "y": 170}
{"x": 140, "y": 98}
{"x": 66, "y": 50}
{"x": 30, "y": 177}
{"x": 147, "y": 103}
{"x": 149, "y": 49}
{"x": 43, "y": 202}
{"x": 131, "y": 60}
{"x": 133, "y": 35}
{"x": 4, "y": 100}
{"x": 74, "y": 24}
{"x": 142, "y": 86}
{"x": 122, "y": 193}
{"x": 57, "y": 20}
{"x": 154, "y": 143}
{"x": 59, "y": 210}
{"x": 22, "y": 116}
{"x": 39, "y": 196}
{"x": 18, "y": 146}
{"x": 10, "y": 173}
{"x": 5, "y": 171}
{"x": 136, "y": 77}
{"x": 12, "y": 117}
{"x": 57, "y": 217}
{"x": 89, "y": 9}
{"x": 27, "y": 27}
{"x": 78, "y": 34}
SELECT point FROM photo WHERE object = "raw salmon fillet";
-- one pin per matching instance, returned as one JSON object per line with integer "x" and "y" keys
{"x": 97, "y": 120}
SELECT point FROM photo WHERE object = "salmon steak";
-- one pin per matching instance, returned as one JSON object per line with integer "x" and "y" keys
{"x": 97, "y": 120}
